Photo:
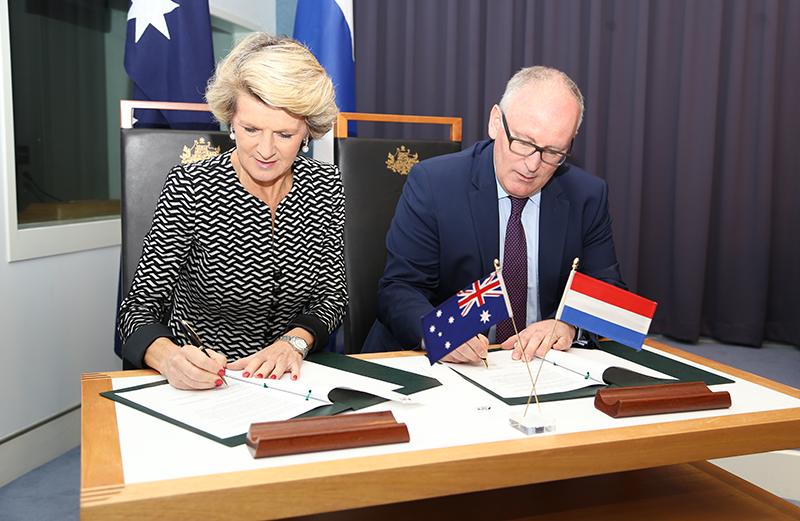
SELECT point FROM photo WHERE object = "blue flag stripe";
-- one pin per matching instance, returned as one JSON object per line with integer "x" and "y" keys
{"x": 321, "y": 25}
{"x": 602, "y": 327}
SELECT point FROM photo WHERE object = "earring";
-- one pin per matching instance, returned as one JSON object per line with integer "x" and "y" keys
{"x": 305, "y": 145}
{"x": 233, "y": 135}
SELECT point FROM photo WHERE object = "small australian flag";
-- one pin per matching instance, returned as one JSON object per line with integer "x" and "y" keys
{"x": 470, "y": 311}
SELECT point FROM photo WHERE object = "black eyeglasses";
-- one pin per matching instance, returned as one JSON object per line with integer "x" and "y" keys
{"x": 526, "y": 149}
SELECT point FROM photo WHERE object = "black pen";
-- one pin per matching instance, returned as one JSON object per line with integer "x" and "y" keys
{"x": 194, "y": 338}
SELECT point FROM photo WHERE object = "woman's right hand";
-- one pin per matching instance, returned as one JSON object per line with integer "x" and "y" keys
{"x": 186, "y": 367}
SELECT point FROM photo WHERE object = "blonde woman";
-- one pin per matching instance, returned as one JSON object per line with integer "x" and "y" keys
{"x": 245, "y": 247}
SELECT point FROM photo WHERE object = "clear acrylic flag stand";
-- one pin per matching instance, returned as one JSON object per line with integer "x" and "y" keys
{"x": 532, "y": 423}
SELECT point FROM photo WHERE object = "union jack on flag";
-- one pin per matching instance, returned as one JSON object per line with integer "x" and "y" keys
{"x": 477, "y": 293}
{"x": 470, "y": 311}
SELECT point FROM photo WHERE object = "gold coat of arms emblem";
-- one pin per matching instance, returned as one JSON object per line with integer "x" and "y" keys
{"x": 199, "y": 151}
{"x": 401, "y": 161}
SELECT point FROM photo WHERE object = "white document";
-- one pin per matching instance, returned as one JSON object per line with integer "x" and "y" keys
{"x": 225, "y": 411}
{"x": 229, "y": 410}
{"x": 562, "y": 371}
{"x": 317, "y": 381}
{"x": 594, "y": 362}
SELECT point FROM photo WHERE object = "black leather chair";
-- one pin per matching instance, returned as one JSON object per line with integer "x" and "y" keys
{"x": 374, "y": 172}
{"x": 147, "y": 155}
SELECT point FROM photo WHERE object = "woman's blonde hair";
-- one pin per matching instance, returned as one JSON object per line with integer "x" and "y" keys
{"x": 282, "y": 73}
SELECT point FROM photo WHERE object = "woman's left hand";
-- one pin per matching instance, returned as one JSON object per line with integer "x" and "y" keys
{"x": 270, "y": 362}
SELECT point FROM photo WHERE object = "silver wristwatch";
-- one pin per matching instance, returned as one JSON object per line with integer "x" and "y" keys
{"x": 297, "y": 343}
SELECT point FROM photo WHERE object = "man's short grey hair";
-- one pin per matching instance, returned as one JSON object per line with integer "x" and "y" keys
{"x": 541, "y": 74}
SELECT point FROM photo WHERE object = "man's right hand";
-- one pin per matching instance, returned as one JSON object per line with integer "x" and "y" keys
{"x": 540, "y": 337}
{"x": 473, "y": 350}
{"x": 186, "y": 367}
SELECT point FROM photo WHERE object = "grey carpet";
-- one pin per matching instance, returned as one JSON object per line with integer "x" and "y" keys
{"x": 48, "y": 493}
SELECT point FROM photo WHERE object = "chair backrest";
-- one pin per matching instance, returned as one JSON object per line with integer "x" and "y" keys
{"x": 147, "y": 156}
{"x": 374, "y": 172}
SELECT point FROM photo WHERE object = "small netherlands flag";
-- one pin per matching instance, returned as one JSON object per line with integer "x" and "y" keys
{"x": 606, "y": 310}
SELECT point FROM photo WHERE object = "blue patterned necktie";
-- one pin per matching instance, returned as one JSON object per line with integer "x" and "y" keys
{"x": 515, "y": 270}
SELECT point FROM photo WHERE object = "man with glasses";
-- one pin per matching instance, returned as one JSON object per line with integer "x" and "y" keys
{"x": 513, "y": 197}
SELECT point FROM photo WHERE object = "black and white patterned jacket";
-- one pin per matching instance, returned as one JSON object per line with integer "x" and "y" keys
{"x": 212, "y": 257}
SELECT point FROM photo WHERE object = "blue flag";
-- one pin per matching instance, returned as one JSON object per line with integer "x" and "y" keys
{"x": 169, "y": 57}
{"x": 470, "y": 311}
{"x": 326, "y": 28}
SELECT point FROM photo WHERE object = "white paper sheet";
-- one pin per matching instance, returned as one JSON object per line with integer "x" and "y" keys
{"x": 562, "y": 371}
{"x": 317, "y": 381}
{"x": 594, "y": 362}
{"x": 510, "y": 378}
{"x": 225, "y": 411}
{"x": 229, "y": 410}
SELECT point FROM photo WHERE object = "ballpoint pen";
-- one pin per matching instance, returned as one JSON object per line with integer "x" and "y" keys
{"x": 194, "y": 338}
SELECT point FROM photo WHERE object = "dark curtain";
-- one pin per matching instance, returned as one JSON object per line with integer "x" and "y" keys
{"x": 690, "y": 117}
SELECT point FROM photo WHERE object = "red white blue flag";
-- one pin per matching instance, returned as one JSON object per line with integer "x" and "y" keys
{"x": 469, "y": 312}
{"x": 606, "y": 310}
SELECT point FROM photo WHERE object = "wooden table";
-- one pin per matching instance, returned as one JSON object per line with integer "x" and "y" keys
{"x": 621, "y": 473}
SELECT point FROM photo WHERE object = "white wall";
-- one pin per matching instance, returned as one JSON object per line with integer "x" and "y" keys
{"x": 57, "y": 316}
{"x": 57, "y": 321}
{"x": 257, "y": 16}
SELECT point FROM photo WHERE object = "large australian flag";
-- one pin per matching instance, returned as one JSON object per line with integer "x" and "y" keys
{"x": 470, "y": 311}
{"x": 169, "y": 57}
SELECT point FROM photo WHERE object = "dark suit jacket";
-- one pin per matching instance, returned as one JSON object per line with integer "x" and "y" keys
{"x": 444, "y": 235}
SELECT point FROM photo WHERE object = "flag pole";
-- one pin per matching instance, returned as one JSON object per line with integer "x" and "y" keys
{"x": 558, "y": 315}
{"x": 533, "y": 393}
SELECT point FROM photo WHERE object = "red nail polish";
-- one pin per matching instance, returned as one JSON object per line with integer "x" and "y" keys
{"x": 294, "y": 377}
{"x": 218, "y": 383}
{"x": 273, "y": 377}
{"x": 221, "y": 372}
{"x": 246, "y": 374}
{"x": 259, "y": 375}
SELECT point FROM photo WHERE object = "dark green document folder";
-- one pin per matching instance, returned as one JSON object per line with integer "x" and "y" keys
{"x": 619, "y": 377}
{"x": 343, "y": 399}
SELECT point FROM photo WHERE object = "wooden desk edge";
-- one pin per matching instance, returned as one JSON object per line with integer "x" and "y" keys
{"x": 396, "y": 478}
{"x": 101, "y": 460}
{"x": 99, "y": 489}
